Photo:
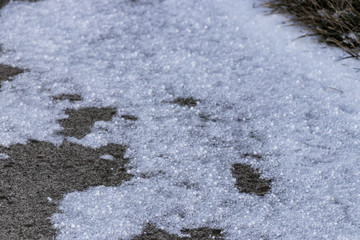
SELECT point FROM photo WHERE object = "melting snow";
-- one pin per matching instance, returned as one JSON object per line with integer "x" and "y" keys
{"x": 255, "y": 89}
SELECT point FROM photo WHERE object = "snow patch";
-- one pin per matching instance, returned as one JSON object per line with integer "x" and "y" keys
{"x": 260, "y": 91}
{"x": 107, "y": 157}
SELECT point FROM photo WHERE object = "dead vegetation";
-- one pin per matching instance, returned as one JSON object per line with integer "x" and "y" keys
{"x": 335, "y": 22}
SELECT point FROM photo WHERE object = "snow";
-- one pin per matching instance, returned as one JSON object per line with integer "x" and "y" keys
{"x": 107, "y": 157}
{"x": 263, "y": 92}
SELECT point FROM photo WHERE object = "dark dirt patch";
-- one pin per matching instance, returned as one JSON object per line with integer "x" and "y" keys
{"x": 129, "y": 117}
{"x": 6, "y": 72}
{"x": 248, "y": 180}
{"x": 254, "y": 135}
{"x": 38, "y": 170}
{"x": 207, "y": 118}
{"x": 80, "y": 121}
{"x": 204, "y": 233}
{"x": 243, "y": 119}
{"x": 70, "y": 97}
{"x": 189, "y": 102}
{"x": 153, "y": 233}
{"x": 4, "y": 2}
{"x": 252, "y": 155}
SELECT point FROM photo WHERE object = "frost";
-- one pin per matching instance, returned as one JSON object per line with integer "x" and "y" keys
{"x": 194, "y": 88}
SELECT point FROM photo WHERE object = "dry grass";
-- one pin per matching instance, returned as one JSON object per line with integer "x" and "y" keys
{"x": 335, "y": 22}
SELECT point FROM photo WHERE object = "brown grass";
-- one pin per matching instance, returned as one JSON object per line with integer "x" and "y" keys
{"x": 335, "y": 22}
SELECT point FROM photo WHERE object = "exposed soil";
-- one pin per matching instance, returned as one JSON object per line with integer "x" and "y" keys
{"x": 6, "y": 72}
{"x": 189, "y": 102}
{"x": 80, "y": 121}
{"x": 153, "y": 233}
{"x": 252, "y": 155}
{"x": 207, "y": 118}
{"x": 36, "y": 175}
{"x": 129, "y": 117}
{"x": 203, "y": 233}
{"x": 70, "y": 97}
{"x": 4, "y": 2}
{"x": 248, "y": 180}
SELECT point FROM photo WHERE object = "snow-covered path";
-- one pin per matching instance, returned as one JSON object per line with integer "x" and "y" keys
{"x": 257, "y": 91}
